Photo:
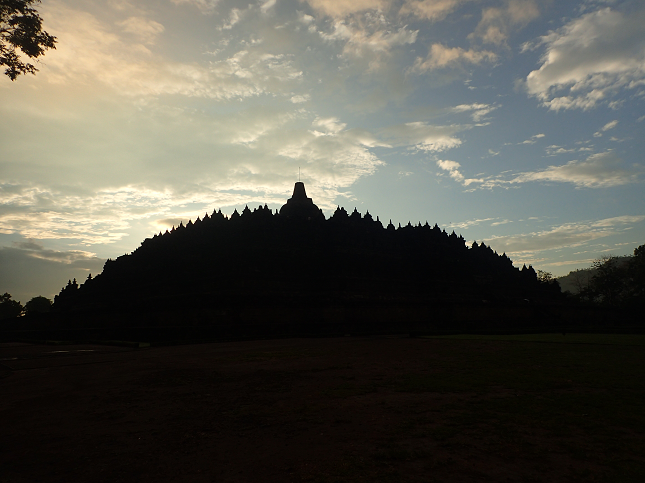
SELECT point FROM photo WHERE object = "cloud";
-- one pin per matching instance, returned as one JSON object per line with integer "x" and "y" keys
{"x": 168, "y": 223}
{"x": 267, "y": 5}
{"x": 234, "y": 18}
{"x": 554, "y": 150}
{"x": 37, "y": 250}
{"x": 433, "y": 10}
{"x": 497, "y": 23}
{"x": 426, "y": 137}
{"x": 330, "y": 125}
{"x": 368, "y": 41}
{"x": 21, "y": 261}
{"x": 467, "y": 224}
{"x": 297, "y": 99}
{"x": 368, "y": 35}
{"x": 335, "y": 159}
{"x": 132, "y": 69}
{"x": 441, "y": 56}
{"x": 379, "y": 41}
{"x": 503, "y": 222}
{"x": 533, "y": 139}
{"x": 478, "y": 111}
{"x": 589, "y": 60}
{"x": 606, "y": 127}
{"x": 562, "y": 236}
{"x": 343, "y": 8}
{"x": 144, "y": 29}
{"x": 103, "y": 217}
{"x": 618, "y": 220}
{"x": 116, "y": 166}
{"x": 610, "y": 125}
{"x": 206, "y": 6}
{"x": 601, "y": 170}
{"x": 453, "y": 171}
{"x": 108, "y": 215}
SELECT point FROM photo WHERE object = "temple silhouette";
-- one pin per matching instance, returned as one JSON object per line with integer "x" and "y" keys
{"x": 296, "y": 266}
{"x": 301, "y": 207}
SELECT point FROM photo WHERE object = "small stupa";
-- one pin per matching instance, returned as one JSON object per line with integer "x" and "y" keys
{"x": 300, "y": 207}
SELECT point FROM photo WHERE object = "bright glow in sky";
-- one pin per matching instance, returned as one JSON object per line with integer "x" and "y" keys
{"x": 517, "y": 122}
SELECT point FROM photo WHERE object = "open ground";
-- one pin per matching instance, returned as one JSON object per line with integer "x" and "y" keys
{"x": 470, "y": 408}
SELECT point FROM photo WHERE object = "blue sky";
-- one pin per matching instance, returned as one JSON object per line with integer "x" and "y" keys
{"x": 515, "y": 122}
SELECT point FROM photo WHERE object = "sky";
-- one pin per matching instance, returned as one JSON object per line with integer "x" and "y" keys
{"x": 519, "y": 123}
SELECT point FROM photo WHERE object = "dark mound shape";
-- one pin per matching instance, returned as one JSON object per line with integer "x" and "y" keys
{"x": 297, "y": 264}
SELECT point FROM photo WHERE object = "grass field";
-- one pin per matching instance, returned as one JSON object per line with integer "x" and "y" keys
{"x": 539, "y": 407}
{"x": 583, "y": 393}
{"x": 566, "y": 338}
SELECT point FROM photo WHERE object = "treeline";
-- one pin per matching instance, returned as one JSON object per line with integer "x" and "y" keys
{"x": 10, "y": 308}
{"x": 258, "y": 257}
{"x": 616, "y": 281}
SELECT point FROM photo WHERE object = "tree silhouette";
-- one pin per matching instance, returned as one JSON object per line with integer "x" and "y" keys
{"x": 21, "y": 30}
{"x": 38, "y": 305}
{"x": 9, "y": 308}
{"x": 618, "y": 281}
{"x": 637, "y": 274}
{"x": 608, "y": 283}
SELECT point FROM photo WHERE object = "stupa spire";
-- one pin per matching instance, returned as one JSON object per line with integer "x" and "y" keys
{"x": 299, "y": 206}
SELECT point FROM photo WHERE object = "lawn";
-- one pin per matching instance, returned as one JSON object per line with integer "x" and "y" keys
{"x": 540, "y": 407}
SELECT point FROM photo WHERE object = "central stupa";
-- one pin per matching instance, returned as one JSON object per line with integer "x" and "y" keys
{"x": 299, "y": 207}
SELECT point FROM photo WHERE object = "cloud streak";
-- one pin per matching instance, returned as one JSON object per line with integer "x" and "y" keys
{"x": 440, "y": 57}
{"x": 426, "y": 137}
{"x": 600, "y": 170}
{"x": 563, "y": 236}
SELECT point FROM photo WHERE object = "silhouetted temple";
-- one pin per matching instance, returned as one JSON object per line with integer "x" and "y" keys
{"x": 295, "y": 265}
{"x": 301, "y": 207}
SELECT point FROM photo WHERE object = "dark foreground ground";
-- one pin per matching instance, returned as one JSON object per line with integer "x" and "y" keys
{"x": 531, "y": 408}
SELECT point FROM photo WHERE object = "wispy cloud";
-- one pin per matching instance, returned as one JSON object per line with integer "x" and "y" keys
{"x": 433, "y": 10}
{"x": 426, "y": 137}
{"x": 206, "y": 6}
{"x": 533, "y": 139}
{"x": 562, "y": 236}
{"x": 468, "y": 223}
{"x": 342, "y": 8}
{"x": 478, "y": 111}
{"x": 439, "y": 56}
{"x": 452, "y": 167}
{"x": 601, "y": 170}
{"x": 77, "y": 257}
{"x": 497, "y": 23}
{"x": 606, "y": 127}
{"x": 144, "y": 29}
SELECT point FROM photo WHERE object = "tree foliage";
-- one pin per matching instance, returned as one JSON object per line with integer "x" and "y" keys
{"x": 9, "y": 309}
{"x": 38, "y": 305}
{"x": 618, "y": 281}
{"x": 21, "y": 32}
